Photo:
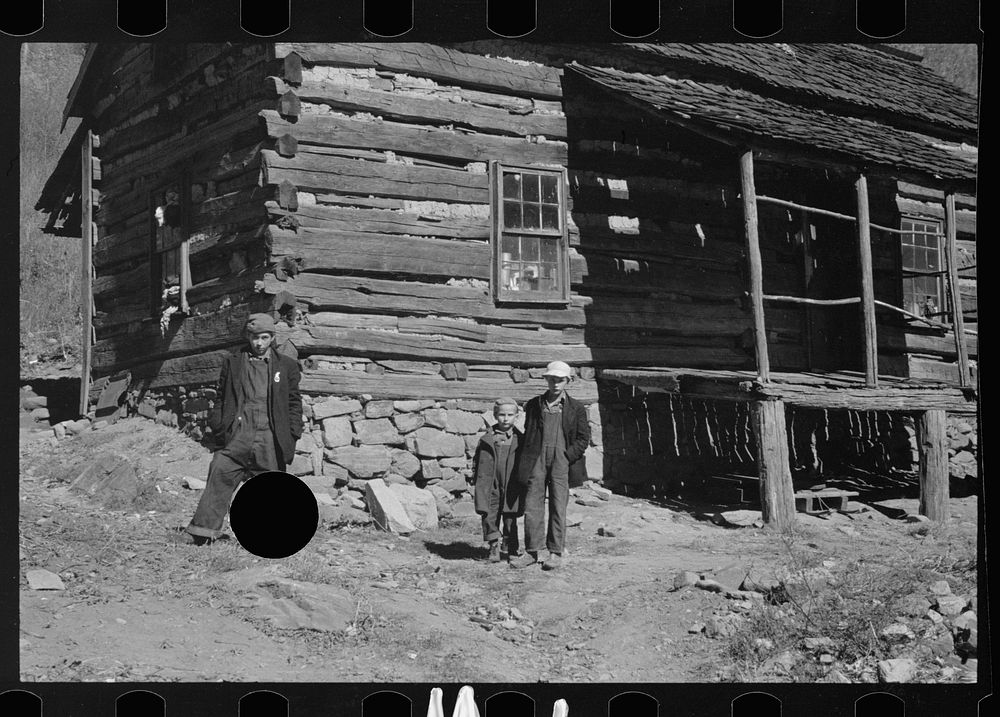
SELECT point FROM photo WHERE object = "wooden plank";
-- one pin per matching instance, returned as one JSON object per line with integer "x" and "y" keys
{"x": 321, "y": 173}
{"x": 356, "y": 293}
{"x": 867, "y": 283}
{"x": 86, "y": 268}
{"x": 918, "y": 367}
{"x": 954, "y": 292}
{"x": 380, "y": 221}
{"x": 777, "y": 495}
{"x": 413, "y": 140}
{"x": 437, "y": 63}
{"x": 402, "y": 107}
{"x": 756, "y": 270}
{"x": 965, "y": 220}
{"x": 385, "y": 344}
{"x": 862, "y": 399}
{"x": 403, "y": 386}
{"x": 932, "y": 440}
{"x": 333, "y": 250}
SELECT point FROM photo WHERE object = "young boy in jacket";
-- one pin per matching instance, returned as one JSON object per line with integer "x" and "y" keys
{"x": 498, "y": 498}
{"x": 556, "y": 434}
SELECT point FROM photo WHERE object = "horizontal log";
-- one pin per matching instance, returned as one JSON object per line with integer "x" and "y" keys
{"x": 415, "y": 140}
{"x": 333, "y": 250}
{"x": 384, "y": 344}
{"x": 384, "y": 222}
{"x": 437, "y": 63}
{"x": 935, "y": 370}
{"x": 199, "y": 369}
{"x": 320, "y": 173}
{"x": 402, "y": 386}
{"x": 965, "y": 220}
{"x": 908, "y": 189}
{"x": 426, "y": 110}
{"x": 352, "y": 293}
{"x": 861, "y": 399}
{"x": 190, "y": 335}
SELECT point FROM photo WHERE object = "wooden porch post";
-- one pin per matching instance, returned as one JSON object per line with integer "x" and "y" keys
{"x": 954, "y": 290}
{"x": 756, "y": 267}
{"x": 867, "y": 283}
{"x": 86, "y": 269}
{"x": 932, "y": 439}
{"x": 777, "y": 495}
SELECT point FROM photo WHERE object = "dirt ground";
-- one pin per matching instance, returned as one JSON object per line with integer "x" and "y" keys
{"x": 358, "y": 604}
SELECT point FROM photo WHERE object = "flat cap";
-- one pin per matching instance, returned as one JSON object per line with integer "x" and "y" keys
{"x": 260, "y": 324}
{"x": 558, "y": 368}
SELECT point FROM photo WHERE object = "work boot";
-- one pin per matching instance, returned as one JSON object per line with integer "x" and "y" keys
{"x": 524, "y": 561}
{"x": 553, "y": 563}
{"x": 494, "y": 556}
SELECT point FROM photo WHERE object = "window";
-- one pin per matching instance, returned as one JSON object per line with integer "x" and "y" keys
{"x": 923, "y": 265}
{"x": 530, "y": 254}
{"x": 170, "y": 272}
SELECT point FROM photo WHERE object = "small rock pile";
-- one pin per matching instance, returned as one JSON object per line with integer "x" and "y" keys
{"x": 963, "y": 445}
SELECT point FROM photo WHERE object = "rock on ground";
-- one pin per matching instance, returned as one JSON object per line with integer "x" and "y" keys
{"x": 386, "y": 509}
{"x": 419, "y": 504}
{"x": 896, "y": 670}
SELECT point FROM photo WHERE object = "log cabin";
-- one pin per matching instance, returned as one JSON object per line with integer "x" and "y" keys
{"x": 760, "y": 258}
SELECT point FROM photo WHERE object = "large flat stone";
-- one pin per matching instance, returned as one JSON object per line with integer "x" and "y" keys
{"x": 464, "y": 422}
{"x": 406, "y": 422}
{"x": 300, "y": 466}
{"x": 435, "y": 417}
{"x": 412, "y": 406}
{"x": 334, "y": 407}
{"x": 404, "y": 463}
{"x": 337, "y": 432}
{"x": 361, "y": 461}
{"x": 305, "y": 444}
{"x": 386, "y": 509}
{"x": 377, "y": 431}
{"x": 433, "y": 443}
{"x": 419, "y": 504}
{"x": 378, "y": 409}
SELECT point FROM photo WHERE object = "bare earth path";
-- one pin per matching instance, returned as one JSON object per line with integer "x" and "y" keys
{"x": 358, "y": 604}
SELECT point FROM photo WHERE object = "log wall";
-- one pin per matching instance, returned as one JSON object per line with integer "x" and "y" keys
{"x": 199, "y": 118}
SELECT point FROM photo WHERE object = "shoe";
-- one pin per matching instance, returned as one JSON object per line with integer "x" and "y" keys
{"x": 553, "y": 563}
{"x": 524, "y": 561}
{"x": 494, "y": 556}
{"x": 182, "y": 537}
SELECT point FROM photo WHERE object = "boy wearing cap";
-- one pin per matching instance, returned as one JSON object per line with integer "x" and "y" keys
{"x": 257, "y": 419}
{"x": 498, "y": 499}
{"x": 556, "y": 434}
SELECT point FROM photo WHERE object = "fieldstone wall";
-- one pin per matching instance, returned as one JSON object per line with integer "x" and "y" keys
{"x": 640, "y": 442}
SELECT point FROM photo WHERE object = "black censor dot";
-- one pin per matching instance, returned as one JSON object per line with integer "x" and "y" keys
{"x": 758, "y": 18}
{"x": 881, "y": 18}
{"x": 274, "y": 515}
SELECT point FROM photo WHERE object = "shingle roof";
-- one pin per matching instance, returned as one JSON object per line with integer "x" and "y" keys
{"x": 742, "y": 117}
{"x": 859, "y": 76}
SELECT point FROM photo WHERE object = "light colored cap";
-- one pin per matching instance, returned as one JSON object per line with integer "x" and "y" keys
{"x": 558, "y": 368}
{"x": 505, "y": 401}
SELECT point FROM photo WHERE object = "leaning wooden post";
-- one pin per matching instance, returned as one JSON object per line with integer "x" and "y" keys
{"x": 867, "y": 283}
{"x": 932, "y": 438}
{"x": 954, "y": 290}
{"x": 756, "y": 266}
{"x": 86, "y": 269}
{"x": 777, "y": 495}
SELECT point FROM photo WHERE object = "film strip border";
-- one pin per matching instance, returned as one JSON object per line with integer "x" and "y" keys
{"x": 557, "y": 700}
{"x": 405, "y": 19}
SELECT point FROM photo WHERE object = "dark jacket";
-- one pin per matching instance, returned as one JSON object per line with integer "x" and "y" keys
{"x": 576, "y": 431}
{"x": 284, "y": 404}
{"x": 484, "y": 472}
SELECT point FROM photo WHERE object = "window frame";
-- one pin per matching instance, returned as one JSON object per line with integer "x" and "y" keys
{"x": 944, "y": 310}
{"x": 498, "y": 232}
{"x": 183, "y": 183}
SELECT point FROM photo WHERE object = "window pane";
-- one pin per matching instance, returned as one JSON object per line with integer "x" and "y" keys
{"x": 531, "y": 216}
{"x": 550, "y": 216}
{"x": 550, "y": 189}
{"x": 510, "y": 247}
{"x": 511, "y": 185}
{"x": 529, "y": 249}
{"x": 530, "y": 182}
{"x": 550, "y": 277}
{"x": 550, "y": 250}
{"x": 512, "y": 215}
